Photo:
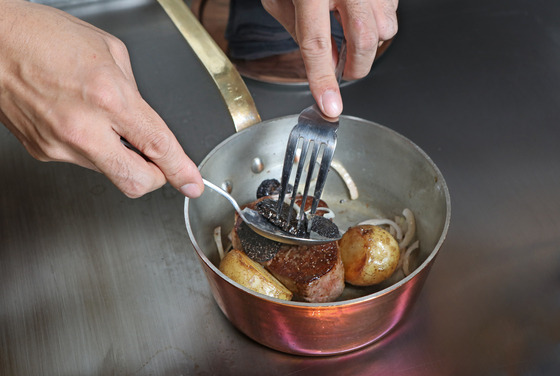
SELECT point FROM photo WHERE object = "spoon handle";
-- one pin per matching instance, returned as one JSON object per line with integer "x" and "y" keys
{"x": 219, "y": 190}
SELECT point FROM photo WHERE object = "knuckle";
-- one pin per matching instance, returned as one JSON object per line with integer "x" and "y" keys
{"x": 158, "y": 145}
{"x": 118, "y": 49}
{"x": 387, "y": 28}
{"x": 387, "y": 24}
{"x": 102, "y": 90}
{"x": 316, "y": 47}
{"x": 116, "y": 45}
{"x": 127, "y": 182}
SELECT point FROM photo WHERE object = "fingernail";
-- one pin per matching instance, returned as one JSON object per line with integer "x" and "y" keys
{"x": 190, "y": 190}
{"x": 331, "y": 103}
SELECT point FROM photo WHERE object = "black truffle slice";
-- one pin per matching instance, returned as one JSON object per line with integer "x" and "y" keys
{"x": 324, "y": 227}
{"x": 268, "y": 208}
{"x": 258, "y": 248}
{"x": 271, "y": 187}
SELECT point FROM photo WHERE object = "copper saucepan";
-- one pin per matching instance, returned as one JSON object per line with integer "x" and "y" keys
{"x": 391, "y": 174}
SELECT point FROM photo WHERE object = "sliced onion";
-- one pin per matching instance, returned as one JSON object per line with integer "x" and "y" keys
{"x": 406, "y": 258}
{"x": 401, "y": 221}
{"x": 410, "y": 228}
{"x": 218, "y": 240}
{"x": 384, "y": 221}
{"x": 297, "y": 208}
{"x": 345, "y": 175}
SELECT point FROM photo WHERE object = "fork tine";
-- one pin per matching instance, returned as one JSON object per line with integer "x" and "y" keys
{"x": 287, "y": 169}
{"x": 301, "y": 165}
{"x": 311, "y": 168}
{"x": 326, "y": 159}
{"x": 312, "y": 128}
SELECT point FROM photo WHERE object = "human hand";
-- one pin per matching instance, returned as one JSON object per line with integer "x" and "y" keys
{"x": 67, "y": 92}
{"x": 365, "y": 25}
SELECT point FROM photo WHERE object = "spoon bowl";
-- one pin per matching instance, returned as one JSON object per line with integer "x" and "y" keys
{"x": 261, "y": 226}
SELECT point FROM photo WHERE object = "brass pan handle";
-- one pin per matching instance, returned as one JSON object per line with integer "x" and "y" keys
{"x": 228, "y": 80}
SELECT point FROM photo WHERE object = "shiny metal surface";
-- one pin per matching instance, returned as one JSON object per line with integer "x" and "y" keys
{"x": 236, "y": 95}
{"x": 93, "y": 283}
{"x": 262, "y": 226}
{"x": 312, "y": 131}
{"x": 362, "y": 314}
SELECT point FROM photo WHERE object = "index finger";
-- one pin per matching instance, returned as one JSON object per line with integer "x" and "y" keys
{"x": 313, "y": 32}
{"x": 147, "y": 131}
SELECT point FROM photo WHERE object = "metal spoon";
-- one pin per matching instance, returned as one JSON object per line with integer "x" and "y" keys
{"x": 253, "y": 219}
{"x": 261, "y": 226}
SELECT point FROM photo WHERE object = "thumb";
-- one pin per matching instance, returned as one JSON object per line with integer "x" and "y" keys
{"x": 151, "y": 136}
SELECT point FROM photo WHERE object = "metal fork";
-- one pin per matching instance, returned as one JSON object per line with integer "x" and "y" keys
{"x": 318, "y": 134}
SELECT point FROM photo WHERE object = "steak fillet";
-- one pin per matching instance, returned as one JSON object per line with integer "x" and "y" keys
{"x": 313, "y": 274}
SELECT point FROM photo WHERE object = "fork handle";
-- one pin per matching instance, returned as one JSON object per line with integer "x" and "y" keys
{"x": 341, "y": 62}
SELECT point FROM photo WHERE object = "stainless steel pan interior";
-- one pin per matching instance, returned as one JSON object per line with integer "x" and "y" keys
{"x": 391, "y": 174}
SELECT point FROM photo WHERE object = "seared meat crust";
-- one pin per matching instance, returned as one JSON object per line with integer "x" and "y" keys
{"x": 313, "y": 273}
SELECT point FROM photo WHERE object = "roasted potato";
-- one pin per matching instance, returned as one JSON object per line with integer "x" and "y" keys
{"x": 369, "y": 254}
{"x": 239, "y": 267}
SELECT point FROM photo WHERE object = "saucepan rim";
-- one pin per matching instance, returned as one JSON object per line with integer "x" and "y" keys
{"x": 346, "y": 302}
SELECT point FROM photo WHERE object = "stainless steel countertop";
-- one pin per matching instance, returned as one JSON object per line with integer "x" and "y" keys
{"x": 93, "y": 283}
